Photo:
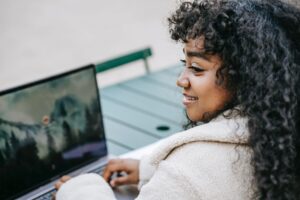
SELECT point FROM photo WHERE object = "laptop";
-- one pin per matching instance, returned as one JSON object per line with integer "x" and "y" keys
{"x": 49, "y": 128}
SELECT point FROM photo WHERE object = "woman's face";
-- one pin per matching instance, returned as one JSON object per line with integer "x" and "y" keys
{"x": 201, "y": 94}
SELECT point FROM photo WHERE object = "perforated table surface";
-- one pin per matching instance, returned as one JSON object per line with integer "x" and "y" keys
{"x": 141, "y": 111}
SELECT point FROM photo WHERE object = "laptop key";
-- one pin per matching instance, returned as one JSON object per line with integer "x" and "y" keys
{"x": 46, "y": 196}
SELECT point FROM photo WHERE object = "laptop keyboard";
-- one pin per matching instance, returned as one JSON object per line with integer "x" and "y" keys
{"x": 46, "y": 196}
{"x": 49, "y": 195}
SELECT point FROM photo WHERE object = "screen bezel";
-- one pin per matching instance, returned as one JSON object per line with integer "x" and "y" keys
{"x": 41, "y": 81}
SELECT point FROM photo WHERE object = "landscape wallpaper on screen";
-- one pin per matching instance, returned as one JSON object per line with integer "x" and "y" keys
{"x": 48, "y": 128}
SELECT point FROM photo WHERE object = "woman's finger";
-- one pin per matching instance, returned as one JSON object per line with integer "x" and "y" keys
{"x": 120, "y": 181}
{"x": 112, "y": 167}
{"x": 58, "y": 184}
{"x": 108, "y": 172}
{"x": 61, "y": 181}
{"x": 53, "y": 196}
{"x": 65, "y": 178}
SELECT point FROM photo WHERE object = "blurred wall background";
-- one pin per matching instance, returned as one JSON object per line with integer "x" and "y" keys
{"x": 39, "y": 38}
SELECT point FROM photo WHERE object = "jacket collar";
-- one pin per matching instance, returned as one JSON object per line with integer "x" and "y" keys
{"x": 219, "y": 130}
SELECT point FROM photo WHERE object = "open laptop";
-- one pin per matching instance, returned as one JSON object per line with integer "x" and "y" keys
{"x": 50, "y": 128}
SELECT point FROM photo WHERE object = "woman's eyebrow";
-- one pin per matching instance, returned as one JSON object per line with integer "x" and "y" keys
{"x": 196, "y": 54}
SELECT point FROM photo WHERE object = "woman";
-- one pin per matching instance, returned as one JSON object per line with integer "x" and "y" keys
{"x": 241, "y": 78}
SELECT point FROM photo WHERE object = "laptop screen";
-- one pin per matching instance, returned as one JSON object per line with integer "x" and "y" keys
{"x": 49, "y": 128}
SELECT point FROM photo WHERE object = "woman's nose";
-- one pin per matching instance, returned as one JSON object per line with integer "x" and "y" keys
{"x": 183, "y": 81}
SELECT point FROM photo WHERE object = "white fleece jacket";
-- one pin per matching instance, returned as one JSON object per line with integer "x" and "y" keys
{"x": 208, "y": 162}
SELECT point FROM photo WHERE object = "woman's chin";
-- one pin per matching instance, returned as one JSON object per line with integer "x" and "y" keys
{"x": 201, "y": 117}
{"x": 193, "y": 117}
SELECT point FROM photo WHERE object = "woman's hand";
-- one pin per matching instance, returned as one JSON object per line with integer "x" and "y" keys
{"x": 59, "y": 183}
{"x": 129, "y": 166}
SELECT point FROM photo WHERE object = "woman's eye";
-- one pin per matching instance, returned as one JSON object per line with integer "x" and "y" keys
{"x": 195, "y": 68}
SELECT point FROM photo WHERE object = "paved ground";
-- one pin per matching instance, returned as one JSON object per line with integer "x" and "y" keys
{"x": 41, "y": 38}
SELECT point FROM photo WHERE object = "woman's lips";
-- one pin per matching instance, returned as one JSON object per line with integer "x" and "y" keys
{"x": 187, "y": 99}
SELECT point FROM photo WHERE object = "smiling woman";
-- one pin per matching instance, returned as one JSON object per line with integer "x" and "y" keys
{"x": 241, "y": 78}
{"x": 203, "y": 97}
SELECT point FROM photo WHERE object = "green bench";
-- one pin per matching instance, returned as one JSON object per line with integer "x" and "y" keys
{"x": 142, "y": 54}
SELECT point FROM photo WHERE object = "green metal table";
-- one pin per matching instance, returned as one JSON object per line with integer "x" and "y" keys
{"x": 141, "y": 111}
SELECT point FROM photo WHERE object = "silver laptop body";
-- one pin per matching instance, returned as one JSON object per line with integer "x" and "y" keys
{"x": 50, "y": 128}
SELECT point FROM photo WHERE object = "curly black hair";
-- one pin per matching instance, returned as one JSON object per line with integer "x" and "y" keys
{"x": 259, "y": 44}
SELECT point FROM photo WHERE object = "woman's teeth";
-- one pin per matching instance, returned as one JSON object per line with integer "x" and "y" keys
{"x": 191, "y": 98}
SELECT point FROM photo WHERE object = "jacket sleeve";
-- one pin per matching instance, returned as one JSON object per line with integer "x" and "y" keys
{"x": 146, "y": 171}
{"x": 200, "y": 170}
{"x": 167, "y": 183}
{"x": 87, "y": 187}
